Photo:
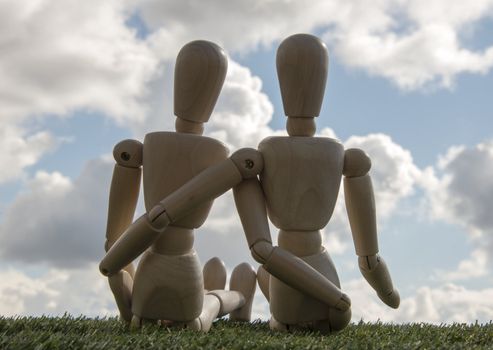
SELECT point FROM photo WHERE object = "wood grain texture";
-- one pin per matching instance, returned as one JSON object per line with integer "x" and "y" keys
{"x": 301, "y": 126}
{"x": 300, "y": 243}
{"x": 360, "y": 206}
{"x": 121, "y": 286}
{"x": 290, "y": 306}
{"x": 171, "y": 159}
{"x": 214, "y": 272}
{"x": 168, "y": 284}
{"x": 301, "y": 180}
{"x": 302, "y": 64}
{"x": 243, "y": 280}
{"x": 199, "y": 76}
{"x": 250, "y": 204}
{"x": 168, "y": 287}
{"x": 124, "y": 192}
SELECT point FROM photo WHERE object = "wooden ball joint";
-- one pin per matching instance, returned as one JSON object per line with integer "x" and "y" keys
{"x": 293, "y": 181}
{"x": 169, "y": 285}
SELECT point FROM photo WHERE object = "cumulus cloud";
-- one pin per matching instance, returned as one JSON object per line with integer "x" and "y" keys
{"x": 243, "y": 111}
{"x": 58, "y": 58}
{"x": 58, "y": 221}
{"x": 393, "y": 171}
{"x": 20, "y": 149}
{"x": 62, "y": 56}
{"x": 411, "y": 43}
{"x": 447, "y": 303}
{"x": 394, "y": 177}
{"x": 237, "y": 25}
{"x": 414, "y": 43}
{"x": 474, "y": 267}
{"x": 459, "y": 191}
{"x": 56, "y": 291}
{"x": 84, "y": 291}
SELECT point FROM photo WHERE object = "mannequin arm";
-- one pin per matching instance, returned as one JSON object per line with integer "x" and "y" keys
{"x": 124, "y": 191}
{"x": 280, "y": 263}
{"x": 208, "y": 185}
{"x": 360, "y": 205}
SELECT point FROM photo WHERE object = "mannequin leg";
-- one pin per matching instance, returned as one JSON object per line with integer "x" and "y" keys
{"x": 263, "y": 279}
{"x": 243, "y": 280}
{"x": 121, "y": 285}
{"x": 214, "y": 273}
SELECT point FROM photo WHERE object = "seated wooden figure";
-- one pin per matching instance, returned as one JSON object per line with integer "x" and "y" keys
{"x": 293, "y": 180}
{"x": 168, "y": 285}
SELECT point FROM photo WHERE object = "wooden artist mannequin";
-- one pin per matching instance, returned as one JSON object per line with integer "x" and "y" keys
{"x": 168, "y": 285}
{"x": 298, "y": 186}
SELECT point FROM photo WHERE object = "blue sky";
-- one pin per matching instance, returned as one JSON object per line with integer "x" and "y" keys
{"x": 408, "y": 83}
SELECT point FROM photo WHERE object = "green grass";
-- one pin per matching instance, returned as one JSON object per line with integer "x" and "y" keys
{"x": 76, "y": 333}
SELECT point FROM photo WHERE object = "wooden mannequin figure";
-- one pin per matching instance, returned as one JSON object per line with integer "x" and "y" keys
{"x": 297, "y": 188}
{"x": 300, "y": 184}
{"x": 168, "y": 284}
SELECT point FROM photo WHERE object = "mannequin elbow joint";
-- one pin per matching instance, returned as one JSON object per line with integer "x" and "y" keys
{"x": 261, "y": 251}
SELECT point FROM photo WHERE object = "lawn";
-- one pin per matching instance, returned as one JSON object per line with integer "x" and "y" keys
{"x": 76, "y": 333}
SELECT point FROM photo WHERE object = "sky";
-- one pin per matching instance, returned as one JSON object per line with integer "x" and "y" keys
{"x": 410, "y": 82}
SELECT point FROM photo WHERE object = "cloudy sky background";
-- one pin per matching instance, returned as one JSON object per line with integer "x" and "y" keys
{"x": 410, "y": 82}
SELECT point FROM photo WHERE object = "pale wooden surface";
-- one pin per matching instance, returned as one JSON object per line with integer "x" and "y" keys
{"x": 360, "y": 206}
{"x": 171, "y": 159}
{"x": 168, "y": 287}
{"x": 188, "y": 127}
{"x": 124, "y": 192}
{"x": 263, "y": 279}
{"x": 301, "y": 180}
{"x": 121, "y": 285}
{"x": 301, "y": 126}
{"x": 128, "y": 153}
{"x": 244, "y": 280}
{"x": 169, "y": 283}
{"x": 199, "y": 76}
{"x": 301, "y": 243}
{"x": 302, "y": 64}
{"x": 290, "y": 306}
{"x": 214, "y": 272}
{"x": 375, "y": 271}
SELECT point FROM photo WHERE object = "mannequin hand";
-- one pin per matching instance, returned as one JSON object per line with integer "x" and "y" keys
{"x": 393, "y": 299}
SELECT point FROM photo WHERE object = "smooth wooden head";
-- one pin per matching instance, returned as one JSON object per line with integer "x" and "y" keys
{"x": 199, "y": 76}
{"x": 302, "y": 66}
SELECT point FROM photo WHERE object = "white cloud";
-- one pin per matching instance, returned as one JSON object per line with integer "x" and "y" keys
{"x": 20, "y": 149}
{"x": 474, "y": 267}
{"x": 238, "y": 25}
{"x": 393, "y": 171}
{"x": 84, "y": 291}
{"x": 447, "y": 303}
{"x": 79, "y": 291}
{"x": 57, "y": 57}
{"x": 414, "y": 43}
{"x": 394, "y": 177}
{"x": 243, "y": 111}
{"x": 460, "y": 191}
{"x": 60, "y": 57}
{"x": 57, "y": 221}
{"x": 411, "y": 43}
